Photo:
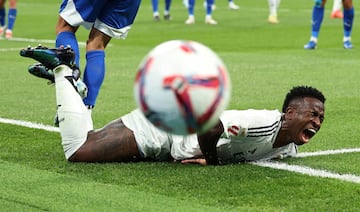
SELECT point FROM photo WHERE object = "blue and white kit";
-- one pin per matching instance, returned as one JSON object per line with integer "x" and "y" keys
{"x": 112, "y": 17}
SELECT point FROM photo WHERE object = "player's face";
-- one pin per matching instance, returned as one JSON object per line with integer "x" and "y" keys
{"x": 304, "y": 119}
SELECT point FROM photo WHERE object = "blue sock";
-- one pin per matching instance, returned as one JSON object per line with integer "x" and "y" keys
{"x": 69, "y": 38}
{"x": 317, "y": 18}
{"x": 348, "y": 21}
{"x": 191, "y": 7}
{"x": 94, "y": 75}
{"x": 209, "y": 4}
{"x": 155, "y": 5}
{"x": 167, "y": 5}
{"x": 11, "y": 18}
{"x": 2, "y": 16}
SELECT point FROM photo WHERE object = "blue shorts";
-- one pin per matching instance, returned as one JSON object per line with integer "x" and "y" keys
{"x": 112, "y": 17}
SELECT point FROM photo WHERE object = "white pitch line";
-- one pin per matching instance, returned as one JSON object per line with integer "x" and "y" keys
{"x": 29, "y": 125}
{"x": 309, "y": 171}
{"x": 275, "y": 165}
{"x": 326, "y": 152}
{"x": 40, "y": 41}
{"x": 10, "y": 49}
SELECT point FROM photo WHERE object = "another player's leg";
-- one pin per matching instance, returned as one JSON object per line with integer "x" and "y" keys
{"x": 186, "y": 3}
{"x": 2, "y": 17}
{"x": 273, "y": 8}
{"x": 94, "y": 72}
{"x": 317, "y": 18}
{"x": 213, "y": 6}
{"x": 11, "y": 19}
{"x": 348, "y": 22}
{"x": 208, "y": 17}
{"x": 65, "y": 36}
{"x": 191, "y": 16}
{"x": 155, "y": 7}
{"x": 167, "y": 15}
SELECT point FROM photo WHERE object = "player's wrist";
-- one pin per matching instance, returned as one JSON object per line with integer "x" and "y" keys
{"x": 211, "y": 159}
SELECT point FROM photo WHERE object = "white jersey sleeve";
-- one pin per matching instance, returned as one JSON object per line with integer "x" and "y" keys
{"x": 249, "y": 135}
{"x": 241, "y": 123}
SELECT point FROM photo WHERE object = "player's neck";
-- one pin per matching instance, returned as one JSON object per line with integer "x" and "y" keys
{"x": 282, "y": 138}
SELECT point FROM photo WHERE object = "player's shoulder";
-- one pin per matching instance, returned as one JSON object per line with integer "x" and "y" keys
{"x": 251, "y": 112}
{"x": 251, "y": 117}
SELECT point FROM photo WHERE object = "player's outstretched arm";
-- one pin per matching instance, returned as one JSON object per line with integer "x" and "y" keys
{"x": 208, "y": 142}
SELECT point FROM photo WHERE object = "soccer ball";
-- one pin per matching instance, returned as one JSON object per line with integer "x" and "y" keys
{"x": 182, "y": 87}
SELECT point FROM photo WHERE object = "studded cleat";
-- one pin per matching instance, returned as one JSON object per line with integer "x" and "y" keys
{"x": 348, "y": 44}
{"x": 167, "y": 17}
{"x": 39, "y": 70}
{"x": 50, "y": 58}
{"x": 311, "y": 45}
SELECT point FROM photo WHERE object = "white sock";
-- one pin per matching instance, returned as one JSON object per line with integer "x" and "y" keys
{"x": 346, "y": 39}
{"x": 337, "y": 5}
{"x": 315, "y": 39}
{"x": 273, "y": 6}
{"x": 74, "y": 119}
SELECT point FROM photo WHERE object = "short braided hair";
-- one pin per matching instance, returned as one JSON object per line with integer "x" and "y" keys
{"x": 302, "y": 92}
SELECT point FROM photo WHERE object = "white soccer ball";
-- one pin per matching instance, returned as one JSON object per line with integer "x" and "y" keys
{"x": 182, "y": 87}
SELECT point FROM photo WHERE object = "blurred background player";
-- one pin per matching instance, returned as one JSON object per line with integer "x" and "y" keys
{"x": 106, "y": 20}
{"x": 231, "y": 5}
{"x": 336, "y": 11}
{"x": 208, "y": 16}
{"x": 273, "y": 11}
{"x": 317, "y": 18}
{"x": 156, "y": 14}
{"x": 11, "y": 17}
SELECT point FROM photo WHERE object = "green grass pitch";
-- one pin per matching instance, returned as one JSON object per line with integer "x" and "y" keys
{"x": 264, "y": 62}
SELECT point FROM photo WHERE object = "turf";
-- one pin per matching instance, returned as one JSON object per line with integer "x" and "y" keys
{"x": 264, "y": 62}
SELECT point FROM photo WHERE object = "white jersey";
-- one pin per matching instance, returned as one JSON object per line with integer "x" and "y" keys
{"x": 254, "y": 138}
{"x": 257, "y": 132}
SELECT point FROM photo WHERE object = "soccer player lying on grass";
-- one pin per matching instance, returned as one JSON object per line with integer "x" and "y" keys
{"x": 239, "y": 136}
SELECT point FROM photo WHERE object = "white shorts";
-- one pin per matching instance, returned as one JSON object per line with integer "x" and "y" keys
{"x": 152, "y": 142}
{"x": 156, "y": 144}
{"x": 112, "y": 17}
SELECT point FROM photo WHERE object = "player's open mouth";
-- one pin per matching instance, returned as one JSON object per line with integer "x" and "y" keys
{"x": 308, "y": 134}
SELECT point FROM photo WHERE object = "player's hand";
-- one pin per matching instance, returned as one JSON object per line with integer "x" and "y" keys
{"x": 200, "y": 161}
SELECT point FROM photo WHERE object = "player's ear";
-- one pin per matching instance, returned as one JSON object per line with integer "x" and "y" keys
{"x": 289, "y": 112}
